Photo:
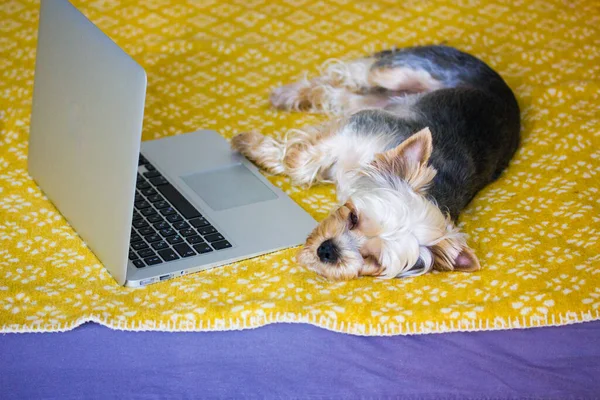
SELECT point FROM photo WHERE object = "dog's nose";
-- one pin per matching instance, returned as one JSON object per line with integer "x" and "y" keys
{"x": 328, "y": 252}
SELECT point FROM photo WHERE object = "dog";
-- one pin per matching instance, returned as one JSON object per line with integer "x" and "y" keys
{"x": 415, "y": 133}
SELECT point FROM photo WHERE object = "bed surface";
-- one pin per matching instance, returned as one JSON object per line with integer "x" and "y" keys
{"x": 212, "y": 64}
{"x": 302, "y": 361}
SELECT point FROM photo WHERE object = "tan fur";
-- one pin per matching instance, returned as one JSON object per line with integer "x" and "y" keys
{"x": 371, "y": 253}
{"x": 371, "y": 267}
{"x": 404, "y": 80}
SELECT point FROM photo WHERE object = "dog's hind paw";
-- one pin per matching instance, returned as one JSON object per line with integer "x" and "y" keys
{"x": 292, "y": 97}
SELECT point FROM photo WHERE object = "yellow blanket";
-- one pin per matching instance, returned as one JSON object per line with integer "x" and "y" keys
{"x": 211, "y": 64}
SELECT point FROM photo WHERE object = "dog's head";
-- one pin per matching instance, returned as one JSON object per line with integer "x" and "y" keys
{"x": 388, "y": 227}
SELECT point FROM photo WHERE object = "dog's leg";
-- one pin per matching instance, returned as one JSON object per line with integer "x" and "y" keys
{"x": 264, "y": 151}
{"x": 341, "y": 89}
{"x": 303, "y": 156}
{"x": 366, "y": 83}
{"x": 405, "y": 79}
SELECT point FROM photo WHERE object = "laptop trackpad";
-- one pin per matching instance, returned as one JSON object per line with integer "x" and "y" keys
{"x": 232, "y": 186}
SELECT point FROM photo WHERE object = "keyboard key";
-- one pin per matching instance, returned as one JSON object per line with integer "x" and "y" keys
{"x": 147, "y": 212}
{"x": 174, "y": 218}
{"x": 146, "y": 253}
{"x": 181, "y": 225}
{"x": 146, "y": 231}
{"x": 187, "y": 232}
{"x": 142, "y": 160}
{"x": 206, "y": 230}
{"x": 184, "y": 250}
{"x": 199, "y": 222}
{"x": 158, "y": 181}
{"x": 140, "y": 223}
{"x": 139, "y": 245}
{"x": 150, "y": 167}
{"x": 149, "y": 192}
{"x": 155, "y": 197}
{"x": 161, "y": 225}
{"x": 139, "y": 263}
{"x": 160, "y": 245}
{"x": 179, "y": 202}
{"x": 142, "y": 204}
{"x": 223, "y": 244}
{"x": 136, "y": 216}
{"x": 153, "y": 238}
{"x": 174, "y": 239}
{"x": 161, "y": 204}
{"x": 194, "y": 239}
{"x": 215, "y": 237}
{"x": 202, "y": 248}
{"x": 152, "y": 260}
{"x": 151, "y": 174}
{"x": 142, "y": 185}
{"x": 138, "y": 197}
{"x": 168, "y": 255}
{"x": 167, "y": 211}
{"x": 154, "y": 218}
{"x": 132, "y": 255}
{"x": 168, "y": 232}
{"x": 135, "y": 238}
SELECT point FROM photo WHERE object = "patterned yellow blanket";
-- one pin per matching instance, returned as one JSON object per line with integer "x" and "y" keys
{"x": 211, "y": 65}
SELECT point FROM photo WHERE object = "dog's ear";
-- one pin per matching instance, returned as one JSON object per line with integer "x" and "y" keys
{"x": 409, "y": 160}
{"x": 416, "y": 149}
{"x": 465, "y": 261}
{"x": 413, "y": 152}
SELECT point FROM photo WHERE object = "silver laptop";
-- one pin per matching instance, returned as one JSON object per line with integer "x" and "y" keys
{"x": 149, "y": 211}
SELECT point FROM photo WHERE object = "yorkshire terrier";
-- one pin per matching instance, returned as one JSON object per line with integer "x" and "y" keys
{"x": 417, "y": 133}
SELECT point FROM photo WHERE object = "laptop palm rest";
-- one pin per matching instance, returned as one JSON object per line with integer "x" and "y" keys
{"x": 228, "y": 187}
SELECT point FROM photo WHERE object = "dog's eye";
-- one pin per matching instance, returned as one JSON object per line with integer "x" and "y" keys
{"x": 352, "y": 220}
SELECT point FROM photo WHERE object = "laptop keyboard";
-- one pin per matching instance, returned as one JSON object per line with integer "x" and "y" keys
{"x": 166, "y": 227}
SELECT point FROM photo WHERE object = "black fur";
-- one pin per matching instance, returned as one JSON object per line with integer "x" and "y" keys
{"x": 474, "y": 121}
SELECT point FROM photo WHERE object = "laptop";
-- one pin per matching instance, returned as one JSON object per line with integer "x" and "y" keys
{"x": 149, "y": 211}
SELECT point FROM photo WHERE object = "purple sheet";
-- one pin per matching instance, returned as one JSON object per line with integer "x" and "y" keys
{"x": 283, "y": 361}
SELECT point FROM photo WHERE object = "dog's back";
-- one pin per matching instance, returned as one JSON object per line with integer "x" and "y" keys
{"x": 472, "y": 113}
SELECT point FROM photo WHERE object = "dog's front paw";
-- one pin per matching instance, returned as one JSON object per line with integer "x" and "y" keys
{"x": 264, "y": 151}
{"x": 246, "y": 142}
